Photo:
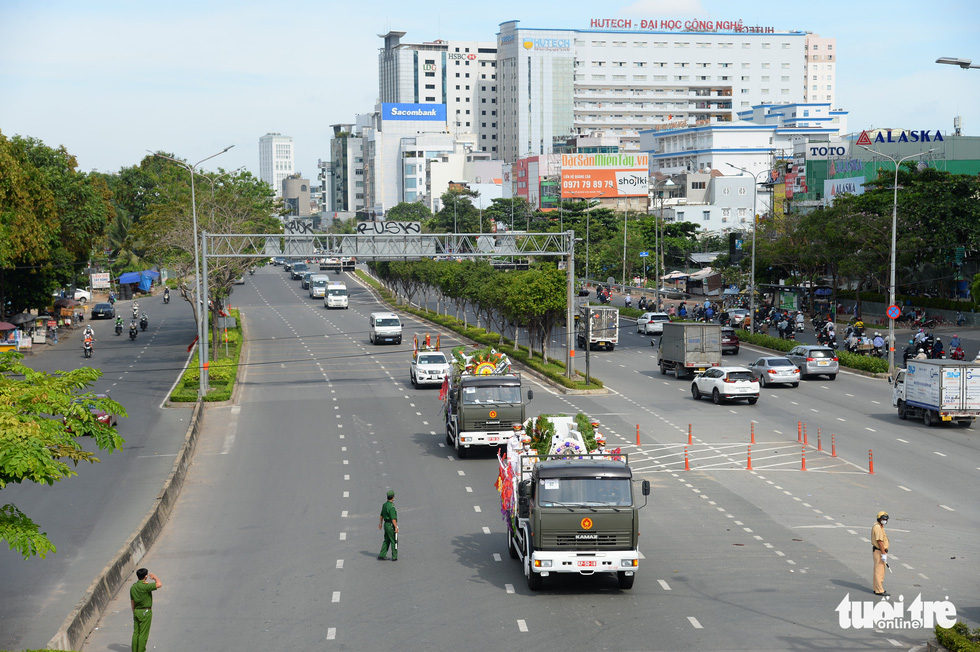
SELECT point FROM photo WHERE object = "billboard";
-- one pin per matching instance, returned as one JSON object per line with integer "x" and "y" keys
{"x": 592, "y": 176}
{"x": 401, "y": 111}
{"x": 849, "y": 186}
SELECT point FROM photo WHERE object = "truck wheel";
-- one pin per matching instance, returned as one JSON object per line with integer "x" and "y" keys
{"x": 902, "y": 411}
{"x": 625, "y": 581}
{"x": 534, "y": 580}
{"x": 449, "y": 434}
{"x": 927, "y": 418}
{"x": 677, "y": 372}
{"x": 663, "y": 370}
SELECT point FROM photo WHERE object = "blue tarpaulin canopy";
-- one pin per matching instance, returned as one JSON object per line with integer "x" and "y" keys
{"x": 130, "y": 277}
{"x": 144, "y": 279}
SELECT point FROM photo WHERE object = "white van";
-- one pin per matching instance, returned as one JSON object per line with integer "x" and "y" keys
{"x": 336, "y": 296}
{"x": 385, "y": 327}
{"x": 318, "y": 285}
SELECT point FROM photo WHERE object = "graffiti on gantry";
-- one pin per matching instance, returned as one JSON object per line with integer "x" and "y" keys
{"x": 298, "y": 226}
{"x": 389, "y": 228}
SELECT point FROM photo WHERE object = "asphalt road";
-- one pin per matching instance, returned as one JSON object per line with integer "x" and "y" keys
{"x": 90, "y": 516}
{"x": 273, "y": 543}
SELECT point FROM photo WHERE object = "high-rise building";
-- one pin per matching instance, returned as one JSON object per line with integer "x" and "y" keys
{"x": 460, "y": 74}
{"x": 276, "y": 160}
{"x": 820, "y": 70}
{"x": 556, "y": 83}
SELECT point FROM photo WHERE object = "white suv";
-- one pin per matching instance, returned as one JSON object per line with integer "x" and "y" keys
{"x": 428, "y": 368}
{"x": 385, "y": 327}
{"x": 652, "y": 323}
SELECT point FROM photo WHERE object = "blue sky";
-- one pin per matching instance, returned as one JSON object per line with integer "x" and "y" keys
{"x": 112, "y": 79}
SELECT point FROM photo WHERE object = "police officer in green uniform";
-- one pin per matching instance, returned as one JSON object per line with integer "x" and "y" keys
{"x": 141, "y": 600}
{"x": 389, "y": 521}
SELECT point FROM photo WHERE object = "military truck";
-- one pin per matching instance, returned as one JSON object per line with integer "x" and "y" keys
{"x": 482, "y": 398}
{"x": 570, "y": 511}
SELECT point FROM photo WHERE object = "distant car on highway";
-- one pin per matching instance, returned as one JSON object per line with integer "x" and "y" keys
{"x": 771, "y": 370}
{"x": 671, "y": 293}
{"x": 428, "y": 368}
{"x": 652, "y": 323}
{"x": 103, "y": 311}
{"x": 729, "y": 341}
{"x": 297, "y": 270}
{"x": 726, "y": 384}
{"x": 101, "y": 415}
{"x": 737, "y": 316}
{"x": 815, "y": 360}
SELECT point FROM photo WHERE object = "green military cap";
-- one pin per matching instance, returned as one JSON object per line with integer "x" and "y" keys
{"x": 391, "y": 493}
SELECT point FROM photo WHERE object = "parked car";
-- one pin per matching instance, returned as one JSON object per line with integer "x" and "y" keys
{"x": 726, "y": 384}
{"x": 815, "y": 360}
{"x": 103, "y": 311}
{"x": 81, "y": 296}
{"x": 652, "y": 323}
{"x": 672, "y": 293}
{"x": 774, "y": 369}
{"x": 729, "y": 341}
{"x": 428, "y": 368}
{"x": 737, "y": 315}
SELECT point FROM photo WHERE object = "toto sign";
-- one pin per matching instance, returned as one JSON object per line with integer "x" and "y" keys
{"x": 823, "y": 151}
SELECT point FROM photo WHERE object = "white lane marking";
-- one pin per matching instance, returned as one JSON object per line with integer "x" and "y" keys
{"x": 335, "y": 597}
{"x": 948, "y": 509}
{"x": 907, "y": 567}
{"x": 923, "y": 576}
{"x": 871, "y": 430}
{"x": 340, "y": 563}
{"x": 851, "y": 532}
{"x": 663, "y": 585}
{"x": 939, "y": 454}
{"x": 476, "y": 508}
{"x": 343, "y": 536}
{"x": 496, "y": 556}
{"x": 747, "y": 529}
{"x": 790, "y": 561}
{"x": 486, "y": 530}
{"x": 469, "y": 490}
{"x": 331, "y": 633}
{"x": 757, "y": 537}
{"x": 346, "y": 494}
{"x": 450, "y": 458}
{"x": 343, "y": 514}
{"x": 509, "y": 588}
{"x": 343, "y": 449}
{"x": 781, "y": 554}
{"x": 894, "y": 642}
{"x": 694, "y": 622}
{"x": 346, "y": 462}
{"x": 522, "y": 625}
{"x": 461, "y": 472}
{"x": 904, "y": 488}
{"x": 346, "y": 477}
{"x": 904, "y": 441}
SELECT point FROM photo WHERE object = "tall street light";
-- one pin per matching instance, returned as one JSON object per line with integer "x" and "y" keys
{"x": 199, "y": 307}
{"x": 755, "y": 197}
{"x": 965, "y": 64}
{"x": 665, "y": 186}
{"x": 626, "y": 214}
{"x": 891, "y": 282}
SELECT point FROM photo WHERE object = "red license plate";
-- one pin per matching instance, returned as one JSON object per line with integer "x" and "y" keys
{"x": 586, "y": 564}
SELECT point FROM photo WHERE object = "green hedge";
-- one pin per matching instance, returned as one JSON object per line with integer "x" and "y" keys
{"x": 554, "y": 369}
{"x": 221, "y": 372}
{"x": 867, "y": 363}
{"x": 959, "y": 638}
{"x": 926, "y": 303}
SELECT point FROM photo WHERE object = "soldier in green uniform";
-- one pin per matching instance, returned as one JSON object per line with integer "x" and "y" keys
{"x": 141, "y": 600}
{"x": 389, "y": 521}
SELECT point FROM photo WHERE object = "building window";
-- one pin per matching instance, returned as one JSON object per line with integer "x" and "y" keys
{"x": 706, "y": 216}
{"x": 743, "y": 191}
{"x": 726, "y": 191}
{"x": 697, "y": 185}
{"x": 680, "y": 216}
{"x": 726, "y": 212}
{"x": 741, "y": 214}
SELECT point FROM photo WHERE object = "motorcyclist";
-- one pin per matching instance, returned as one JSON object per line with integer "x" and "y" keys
{"x": 133, "y": 329}
{"x": 628, "y": 301}
{"x": 166, "y": 295}
{"x": 136, "y": 309}
{"x": 88, "y": 332}
{"x": 879, "y": 343}
{"x": 119, "y": 325}
{"x": 937, "y": 348}
{"x": 920, "y": 337}
{"x": 954, "y": 343}
{"x": 910, "y": 351}
{"x": 921, "y": 355}
{"x": 144, "y": 321}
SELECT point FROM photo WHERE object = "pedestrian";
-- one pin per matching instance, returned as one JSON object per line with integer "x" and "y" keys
{"x": 389, "y": 521}
{"x": 141, "y": 600}
{"x": 879, "y": 553}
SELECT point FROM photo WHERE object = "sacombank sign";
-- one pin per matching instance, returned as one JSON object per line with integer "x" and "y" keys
{"x": 428, "y": 112}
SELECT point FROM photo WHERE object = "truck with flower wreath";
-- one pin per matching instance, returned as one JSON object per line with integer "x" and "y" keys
{"x": 568, "y": 501}
{"x": 482, "y": 399}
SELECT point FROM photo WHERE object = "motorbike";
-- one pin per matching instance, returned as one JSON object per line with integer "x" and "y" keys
{"x": 136, "y": 313}
{"x": 957, "y": 354}
{"x": 132, "y": 332}
{"x": 251, "y": 270}
{"x": 144, "y": 322}
{"x": 118, "y": 329}
{"x": 166, "y": 297}
{"x": 87, "y": 348}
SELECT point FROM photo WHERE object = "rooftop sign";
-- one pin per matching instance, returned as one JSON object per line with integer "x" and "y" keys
{"x": 431, "y": 112}
{"x": 679, "y": 25}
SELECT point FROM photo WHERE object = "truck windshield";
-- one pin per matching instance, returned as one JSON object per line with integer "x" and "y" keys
{"x": 585, "y": 492}
{"x": 484, "y": 394}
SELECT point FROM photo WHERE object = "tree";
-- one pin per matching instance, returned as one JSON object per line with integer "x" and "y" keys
{"x": 458, "y": 214}
{"x": 41, "y": 418}
{"x": 409, "y": 212}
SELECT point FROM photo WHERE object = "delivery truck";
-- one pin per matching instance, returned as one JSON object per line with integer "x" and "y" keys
{"x": 937, "y": 391}
{"x": 599, "y": 326}
{"x": 688, "y": 349}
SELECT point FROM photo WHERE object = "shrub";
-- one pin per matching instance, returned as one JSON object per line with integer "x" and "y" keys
{"x": 959, "y": 638}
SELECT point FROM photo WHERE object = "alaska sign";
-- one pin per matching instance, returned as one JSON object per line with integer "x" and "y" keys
{"x": 904, "y": 136}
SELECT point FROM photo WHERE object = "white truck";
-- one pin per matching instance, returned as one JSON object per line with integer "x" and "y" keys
{"x": 569, "y": 511}
{"x": 599, "y": 326}
{"x": 938, "y": 390}
{"x": 318, "y": 285}
{"x": 336, "y": 295}
{"x": 689, "y": 348}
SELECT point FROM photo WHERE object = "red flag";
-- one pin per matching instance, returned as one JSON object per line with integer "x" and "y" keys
{"x": 192, "y": 345}
{"x": 444, "y": 389}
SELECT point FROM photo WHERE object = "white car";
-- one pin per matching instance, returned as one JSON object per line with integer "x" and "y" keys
{"x": 429, "y": 368}
{"x": 737, "y": 315}
{"x": 726, "y": 384}
{"x": 81, "y": 296}
{"x": 652, "y": 323}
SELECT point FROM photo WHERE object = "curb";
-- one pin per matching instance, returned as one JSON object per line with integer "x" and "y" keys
{"x": 87, "y": 612}
{"x": 517, "y": 363}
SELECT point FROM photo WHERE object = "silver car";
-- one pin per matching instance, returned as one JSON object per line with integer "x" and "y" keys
{"x": 772, "y": 369}
{"x": 815, "y": 360}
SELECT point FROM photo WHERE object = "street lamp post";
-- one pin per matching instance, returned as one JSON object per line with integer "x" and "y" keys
{"x": 667, "y": 185}
{"x": 891, "y": 282}
{"x": 199, "y": 306}
{"x": 755, "y": 198}
{"x": 625, "y": 216}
